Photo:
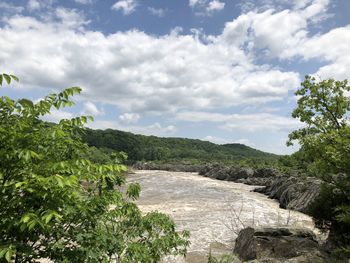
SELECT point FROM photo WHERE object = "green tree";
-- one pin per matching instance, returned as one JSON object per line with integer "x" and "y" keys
{"x": 57, "y": 205}
{"x": 325, "y": 143}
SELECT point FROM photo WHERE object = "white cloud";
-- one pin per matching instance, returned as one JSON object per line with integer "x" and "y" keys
{"x": 10, "y": 8}
{"x": 90, "y": 108}
{"x": 154, "y": 129}
{"x": 245, "y": 142}
{"x": 157, "y": 11}
{"x": 215, "y": 5}
{"x": 70, "y": 18}
{"x": 83, "y": 2}
{"x": 278, "y": 33}
{"x": 33, "y": 5}
{"x": 57, "y": 115}
{"x": 206, "y": 7}
{"x": 126, "y": 6}
{"x": 243, "y": 122}
{"x": 193, "y": 3}
{"x": 36, "y": 5}
{"x": 331, "y": 47}
{"x": 285, "y": 35}
{"x": 139, "y": 72}
{"x": 215, "y": 139}
{"x": 129, "y": 118}
{"x": 219, "y": 140}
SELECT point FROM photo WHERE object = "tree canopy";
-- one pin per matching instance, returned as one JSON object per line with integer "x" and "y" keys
{"x": 324, "y": 107}
{"x": 152, "y": 148}
{"x": 58, "y": 204}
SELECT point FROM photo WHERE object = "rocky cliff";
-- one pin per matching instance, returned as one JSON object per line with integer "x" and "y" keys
{"x": 296, "y": 193}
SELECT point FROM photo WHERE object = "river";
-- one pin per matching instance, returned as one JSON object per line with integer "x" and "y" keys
{"x": 212, "y": 210}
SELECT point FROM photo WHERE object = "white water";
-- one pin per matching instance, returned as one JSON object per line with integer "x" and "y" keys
{"x": 212, "y": 210}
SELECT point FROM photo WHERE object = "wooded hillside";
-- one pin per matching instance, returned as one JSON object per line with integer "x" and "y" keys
{"x": 150, "y": 148}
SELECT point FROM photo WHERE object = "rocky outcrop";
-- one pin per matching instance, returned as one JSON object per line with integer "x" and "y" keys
{"x": 278, "y": 245}
{"x": 296, "y": 193}
{"x": 263, "y": 176}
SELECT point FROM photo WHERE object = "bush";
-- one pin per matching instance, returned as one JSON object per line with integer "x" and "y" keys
{"x": 56, "y": 204}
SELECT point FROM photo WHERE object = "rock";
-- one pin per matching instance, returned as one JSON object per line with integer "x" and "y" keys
{"x": 282, "y": 243}
{"x": 296, "y": 193}
{"x": 267, "y": 172}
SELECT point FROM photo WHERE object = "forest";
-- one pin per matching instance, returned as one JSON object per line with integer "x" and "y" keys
{"x": 151, "y": 148}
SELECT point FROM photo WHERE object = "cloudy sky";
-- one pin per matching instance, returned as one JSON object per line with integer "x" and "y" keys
{"x": 217, "y": 70}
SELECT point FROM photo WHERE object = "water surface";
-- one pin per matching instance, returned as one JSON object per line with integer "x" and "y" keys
{"x": 212, "y": 210}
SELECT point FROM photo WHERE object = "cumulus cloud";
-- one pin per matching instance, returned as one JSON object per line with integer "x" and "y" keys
{"x": 206, "y": 7}
{"x": 219, "y": 140}
{"x": 215, "y": 139}
{"x": 160, "y": 12}
{"x": 193, "y": 3}
{"x": 37, "y": 5}
{"x": 243, "y": 122}
{"x": 285, "y": 35}
{"x": 10, "y": 8}
{"x": 139, "y": 72}
{"x": 126, "y": 6}
{"x": 83, "y": 2}
{"x": 331, "y": 47}
{"x": 245, "y": 142}
{"x": 70, "y": 18}
{"x": 90, "y": 108}
{"x": 277, "y": 32}
{"x": 33, "y": 5}
{"x": 154, "y": 129}
{"x": 129, "y": 118}
{"x": 57, "y": 115}
{"x": 260, "y": 122}
{"x": 215, "y": 5}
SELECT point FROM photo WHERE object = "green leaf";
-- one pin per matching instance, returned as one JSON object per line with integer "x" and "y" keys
{"x": 14, "y": 78}
{"x": 7, "y": 78}
{"x": 25, "y": 218}
{"x": 1, "y": 78}
{"x": 26, "y": 103}
{"x": 8, "y": 255}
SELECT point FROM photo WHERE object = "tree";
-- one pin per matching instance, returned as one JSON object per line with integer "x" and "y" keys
{"x": 325, "y": 141}
{"x": 57, "y": 205}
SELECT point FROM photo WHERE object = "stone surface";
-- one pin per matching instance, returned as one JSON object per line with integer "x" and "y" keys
{"x": 296, "y": 193}
{"x": 277, "y": 244}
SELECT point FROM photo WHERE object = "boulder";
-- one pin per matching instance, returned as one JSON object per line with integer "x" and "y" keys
{"x": 267, "y": 172}
{"x": 280, "y": 243}
{"x": 296, "y": 193}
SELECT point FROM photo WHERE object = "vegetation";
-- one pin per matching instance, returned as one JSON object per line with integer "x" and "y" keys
{"x": 227, "y": 258}
{"x": 151, "y": 148}
{"x": 66, "y": 202}
{"x": 325, "y": 151}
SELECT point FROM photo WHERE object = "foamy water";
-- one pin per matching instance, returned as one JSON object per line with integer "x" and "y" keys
{"x": 212, "y": 210}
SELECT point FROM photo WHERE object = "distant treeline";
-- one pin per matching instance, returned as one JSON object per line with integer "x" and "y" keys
{"x": 151, "y": 148}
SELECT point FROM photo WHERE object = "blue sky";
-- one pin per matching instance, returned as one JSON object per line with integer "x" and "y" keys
{"x": 218, "y": 70}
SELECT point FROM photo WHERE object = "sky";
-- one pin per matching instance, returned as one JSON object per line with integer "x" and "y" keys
{"x": 224, "y": 71}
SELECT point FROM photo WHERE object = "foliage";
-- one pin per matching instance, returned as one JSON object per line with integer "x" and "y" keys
{"x": 325, "y": 140}
{"x": 58, "y": 204}
{"x": 151, "y": 148}
{"x": 227, "y": 258}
